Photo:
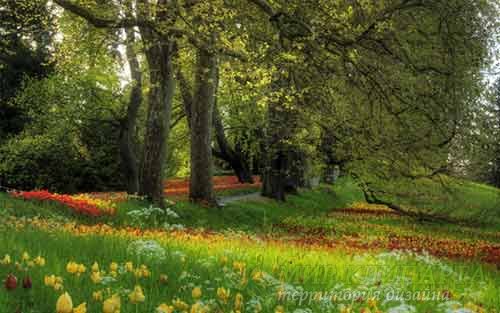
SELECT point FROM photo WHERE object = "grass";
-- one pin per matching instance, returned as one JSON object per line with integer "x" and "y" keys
{"x": 194, "y": 261}
{"x": 447, "y": 196}
{"x": 306, "y": 245}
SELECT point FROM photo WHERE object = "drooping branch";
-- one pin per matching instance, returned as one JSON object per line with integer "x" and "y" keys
{"x": 102, "y": 22}
{"x": 264, "y": 6}
{"x": 371, "y": 197}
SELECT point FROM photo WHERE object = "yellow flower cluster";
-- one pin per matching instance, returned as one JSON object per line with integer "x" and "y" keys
{"x": 25, "y": 262}
{"x": 137, "y": 295}
{"x": 53, "y": 281}
{"x": 75, "y": 268}
{"x": 64, "y": 304}
{"x": 107, "y": 207}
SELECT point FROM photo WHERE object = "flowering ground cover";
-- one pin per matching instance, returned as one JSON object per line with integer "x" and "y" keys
{"x": 181, "y": 186}
{"x": 178, "y": 189}
{"x": 81, "y": 204}
{"x": 169, "y": 267}
{"x": 319, "y": 252}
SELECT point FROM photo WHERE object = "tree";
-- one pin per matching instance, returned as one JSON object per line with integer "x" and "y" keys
{"x": 390, "y": 70}
{"x": 25, "y": 47}
{"x": 128, "y": 140}
{"x": 496, "y": 134}
{"x": 159, "y": 49}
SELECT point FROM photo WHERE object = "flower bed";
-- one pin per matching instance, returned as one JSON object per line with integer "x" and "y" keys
{"x": 181, "y": 186}
{"x": 80, "y": 204}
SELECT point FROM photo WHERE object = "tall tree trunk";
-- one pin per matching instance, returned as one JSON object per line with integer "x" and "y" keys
{"x": 330, "y": 160}
{"x": 275, "y": 169}
{"x": 128, "y": 143}
{"x": 234, "y": 157}
{"x": 496, "y": 166}
{"x": 201, "y": 183}
{"x": 281, "y": 125}
{"x": 159, "y": 55}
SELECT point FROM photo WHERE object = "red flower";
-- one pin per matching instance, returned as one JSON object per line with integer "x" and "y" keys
{"x": 27, "y": 284}
{"x": 78, "y": 206}
{"x": 11, "y": 282}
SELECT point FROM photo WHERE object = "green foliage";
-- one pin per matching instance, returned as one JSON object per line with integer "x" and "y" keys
{"x": 39, "y": 162}
{"x": 25, "y": 40}
{"x": 71, "y": 143}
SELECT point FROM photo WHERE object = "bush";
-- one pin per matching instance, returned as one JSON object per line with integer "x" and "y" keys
{"x": 35, "y": 162}
{"x": 60, "y": 163}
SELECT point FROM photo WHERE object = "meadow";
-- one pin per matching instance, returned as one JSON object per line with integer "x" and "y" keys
{"x": 325, "y": 250}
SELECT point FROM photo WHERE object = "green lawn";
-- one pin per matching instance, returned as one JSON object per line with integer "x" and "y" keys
{"x": 269, "y": 252}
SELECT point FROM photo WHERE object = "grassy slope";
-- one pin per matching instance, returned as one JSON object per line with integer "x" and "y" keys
{"x": 468, "y": 201}
{"x": 459, "y": 199}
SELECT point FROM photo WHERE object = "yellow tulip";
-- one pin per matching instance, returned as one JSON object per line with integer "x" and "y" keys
{"x": 129, "y": 266}
{"x": 49, "y": 280}
{"x": 58, "y": 287}
{"x": 39, "y": 261}
{"x": 180, "y": 305}
{"x": 81, "y": 269}
{"x": 6, "y": 260}
{"x": 372, "y": 303}
{"x": 238, "y": 301}
{"x": 223, "y": 294}
{"x": 64, "y": 304}
{"x": 196, "y": 293}
{"x": 72, "y": 268}
{"x": 346, "y": 310}
{"x": 137, "y": 295}
{"x": 239, "y": 266}
{"x": 279, "y": 309}
{"x": 164, "y": 308}
{"x": 25, "y": 256}
{"x": 112, "y": 305}
{"x": 199, "y": 308}
{"x": 145, "y": 271}
{"x": 97, "y": 295}
{"x": 95, "y": 267}
{"x": 96, "y": 277}
{"x": 257, "y": 276}
{"x": 82, "y": 308}
{"x": 113, "y": 267}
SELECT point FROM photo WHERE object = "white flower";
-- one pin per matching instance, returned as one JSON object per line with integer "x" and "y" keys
{"x": 403, "y": 308}
{"x": 148, "y": 249}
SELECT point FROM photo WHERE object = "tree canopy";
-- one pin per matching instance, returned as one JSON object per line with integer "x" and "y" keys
{"x": 289, "y": 90}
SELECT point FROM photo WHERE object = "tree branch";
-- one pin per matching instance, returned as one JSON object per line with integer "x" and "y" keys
{"x": 102, "y": 22}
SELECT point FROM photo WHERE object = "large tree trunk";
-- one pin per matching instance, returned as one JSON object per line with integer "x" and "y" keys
{"x": 159, "y": 56}
{"x": 330, "y": 159}
{"x": 234, "y": 157}
{"x": 128, "y": 143}
{"x": 281, "y": 126}
{"x": 275, "y": 170}
{"x": 496, "y": 167}
{"x": 201, "y": 184}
